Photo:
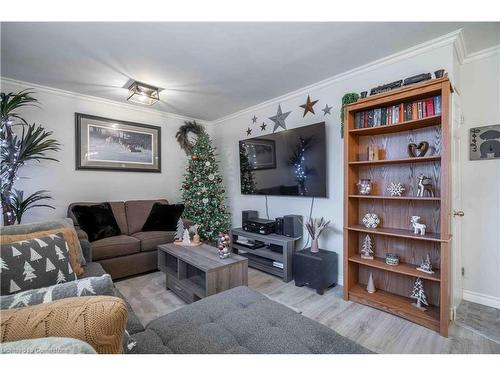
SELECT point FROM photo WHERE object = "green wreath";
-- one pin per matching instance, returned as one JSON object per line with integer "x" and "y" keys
{"x": 182, "y": 135}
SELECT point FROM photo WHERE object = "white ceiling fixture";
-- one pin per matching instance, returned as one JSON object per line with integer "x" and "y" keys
{"x": 141, "y": 93}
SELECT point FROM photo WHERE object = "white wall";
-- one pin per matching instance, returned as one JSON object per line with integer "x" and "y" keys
{"x": 66, "y": 184}
{"x": 480, "y": 97}
{"x": 229, "y": 131}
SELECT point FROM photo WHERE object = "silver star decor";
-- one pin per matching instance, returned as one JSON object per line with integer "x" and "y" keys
{"x": 279, "y": 119}
{"x": 254, "y": 119}
{"x": 327, "y": 110}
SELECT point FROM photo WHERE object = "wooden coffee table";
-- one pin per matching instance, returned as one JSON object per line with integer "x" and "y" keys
{"x": 195, "y": 272}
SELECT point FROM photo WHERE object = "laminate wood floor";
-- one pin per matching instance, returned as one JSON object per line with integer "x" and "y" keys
{"x": 376, "y": 330}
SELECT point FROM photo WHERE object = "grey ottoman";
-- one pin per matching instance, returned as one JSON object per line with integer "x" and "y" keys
{"x": 240, "y": 320}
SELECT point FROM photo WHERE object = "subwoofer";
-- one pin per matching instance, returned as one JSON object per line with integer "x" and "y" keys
{"x": 278, "y": 227}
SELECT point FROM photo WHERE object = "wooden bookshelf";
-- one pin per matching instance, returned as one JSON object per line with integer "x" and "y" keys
{"x": 394, "y": 234}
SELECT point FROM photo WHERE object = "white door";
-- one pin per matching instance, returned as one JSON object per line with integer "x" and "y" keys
{"x": 456, "y": 203}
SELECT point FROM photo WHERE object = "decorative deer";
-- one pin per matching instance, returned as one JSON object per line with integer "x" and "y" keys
{"x": 417, "y": 227}
{"x": 424, "y": 185}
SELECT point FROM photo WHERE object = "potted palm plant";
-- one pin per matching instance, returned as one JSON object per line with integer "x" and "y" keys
{"x": 17, "y": 148}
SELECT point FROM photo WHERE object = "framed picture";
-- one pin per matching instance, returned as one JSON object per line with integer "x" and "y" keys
{"x": 261, "y": 153}
{"x": 484, "y": 142}
{"x": 114, "y": 145}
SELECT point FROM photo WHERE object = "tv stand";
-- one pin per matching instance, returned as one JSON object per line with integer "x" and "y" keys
{"x": 263, "y": 258}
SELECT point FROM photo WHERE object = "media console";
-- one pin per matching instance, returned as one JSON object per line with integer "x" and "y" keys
{"x": 277, "y": 261}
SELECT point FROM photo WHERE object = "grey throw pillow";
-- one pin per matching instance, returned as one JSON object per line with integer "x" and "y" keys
{"x": 35, "y": 263}
{"x": 89, "y": 286}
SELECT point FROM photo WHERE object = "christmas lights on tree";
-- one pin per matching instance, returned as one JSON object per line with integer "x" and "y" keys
{"x": 298, "y": 162}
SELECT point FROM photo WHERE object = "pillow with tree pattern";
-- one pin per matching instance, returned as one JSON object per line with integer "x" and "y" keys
{"x": 35, "y": 263}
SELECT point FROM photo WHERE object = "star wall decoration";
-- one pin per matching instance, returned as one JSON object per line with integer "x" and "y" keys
{"x": 263, "y": 126}
{"x": 254, "y": 119}
{"x": 327, "y": 110}
{"x": 308, "y": 106}
{"x": 279, "y": 119}
{"x": 249, "y": 131}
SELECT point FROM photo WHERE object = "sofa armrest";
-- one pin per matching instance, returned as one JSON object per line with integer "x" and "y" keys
{"x": 82, "y": 235}
{"x": 100, "y": 321}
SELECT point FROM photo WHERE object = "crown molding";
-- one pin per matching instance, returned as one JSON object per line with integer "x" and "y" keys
{"x": 95, "y": 99}
{"x": 483, "y": 54}
{"x": 444, "y": 40}
{"x": 460, "y": 49}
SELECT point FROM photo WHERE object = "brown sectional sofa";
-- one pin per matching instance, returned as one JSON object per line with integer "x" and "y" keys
{"x": 133, "y": 251}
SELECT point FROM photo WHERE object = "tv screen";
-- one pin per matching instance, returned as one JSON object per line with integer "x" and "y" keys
{"x": 291, "y": 162}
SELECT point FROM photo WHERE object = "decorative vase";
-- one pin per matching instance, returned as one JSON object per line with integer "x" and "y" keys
{"x": 314, "y": 246}
{"x": 364, "y": 186}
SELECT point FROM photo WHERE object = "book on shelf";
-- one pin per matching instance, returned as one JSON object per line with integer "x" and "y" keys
{"x": 396, "y": 114}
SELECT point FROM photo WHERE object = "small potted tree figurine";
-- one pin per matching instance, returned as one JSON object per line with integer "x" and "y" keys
{"x": 419, "y": 294}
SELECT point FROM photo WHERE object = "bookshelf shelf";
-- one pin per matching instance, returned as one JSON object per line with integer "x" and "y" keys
{"x": 423, "y": 159}
{"x": 394, "y": 284}
{"x": 402, "y": 268}
{"x": 400, "y": 127}
{"x": 402, "y": 198}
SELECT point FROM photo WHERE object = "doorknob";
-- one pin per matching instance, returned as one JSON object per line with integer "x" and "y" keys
{"x": 458, "y": 213}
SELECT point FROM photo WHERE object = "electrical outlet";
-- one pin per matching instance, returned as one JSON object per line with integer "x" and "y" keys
{"x": 463, "y": 271}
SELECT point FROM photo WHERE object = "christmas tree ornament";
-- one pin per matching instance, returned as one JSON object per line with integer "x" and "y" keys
{"x": 396, "y": 189}
{"x": 367, "y": 248}
{"x": 223, "y": 244}
{"x": 326, "y": 110}
{"x": 205, "y": 200}
{"x": 365, "y": 186}
{"x": 279, "y": 119}
{"x": 308, "y": 106}
{"x": 426, "y": 265}
{"x": 371, "y": 220}
{"x": 194, "y": 157}
{"x": 417, "y": 226}
{"x": 211, "y": 177}
{"x": 207, "y": 163}
{"x": 370, "y": 287}
{"x": 418, "y": 294}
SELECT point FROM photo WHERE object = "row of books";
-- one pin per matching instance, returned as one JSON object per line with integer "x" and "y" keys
{"x": 398, "y": 113}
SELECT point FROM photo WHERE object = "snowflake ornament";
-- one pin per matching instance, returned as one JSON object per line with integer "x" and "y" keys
{"x": 396, "y": 189}
{"x": 371, "y": 220}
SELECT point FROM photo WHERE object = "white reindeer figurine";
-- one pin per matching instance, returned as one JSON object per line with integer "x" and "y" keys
{"x": 418, "y": 227}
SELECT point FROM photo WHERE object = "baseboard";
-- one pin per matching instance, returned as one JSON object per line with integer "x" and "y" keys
{"x": 482, "y": 299}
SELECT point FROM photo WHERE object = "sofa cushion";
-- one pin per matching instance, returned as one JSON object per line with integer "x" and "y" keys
{"x": 163, "y": 217}
{"x": 92, "y": 269}
{"x": 114, "y": 247}
{"x": 97, "y": 221}
{"x": 240, "y": 320}
{"x": 97, "y": 286}
{"x": 13, "y": 230}
{"x": 138, "y": 211}
{"x": 35, "y": 263}
{"x": 150, "y": 240}
{"x": 69, "y": 235}
{"x": 98, "y": 320}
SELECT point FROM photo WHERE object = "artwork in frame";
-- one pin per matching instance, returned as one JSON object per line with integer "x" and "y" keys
{"x": 114, "y": 145}
{"x": 261, "y": 153}
{"x": 485, "y": 142}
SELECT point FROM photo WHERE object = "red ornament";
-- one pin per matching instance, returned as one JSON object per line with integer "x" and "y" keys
{"x": 194, "y": 157}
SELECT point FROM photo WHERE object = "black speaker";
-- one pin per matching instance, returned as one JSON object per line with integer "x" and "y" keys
{"x": 247, "y": 215}
{"x": 278, "y": 227}
{"x": 292, "y": 225}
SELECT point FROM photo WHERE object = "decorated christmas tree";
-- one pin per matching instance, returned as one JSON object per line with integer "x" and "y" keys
{"x": 203, "y": 191}
{"x": 247, "y": 177}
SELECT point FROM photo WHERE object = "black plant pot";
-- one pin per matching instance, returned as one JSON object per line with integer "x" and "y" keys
{"x": 363, "y": 94}
{"x": 439, "y": 73}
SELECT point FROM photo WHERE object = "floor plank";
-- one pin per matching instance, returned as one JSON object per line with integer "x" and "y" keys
{"x": 376, "y": 330}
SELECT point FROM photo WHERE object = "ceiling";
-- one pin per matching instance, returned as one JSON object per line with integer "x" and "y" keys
{"x": 208, "y": 70}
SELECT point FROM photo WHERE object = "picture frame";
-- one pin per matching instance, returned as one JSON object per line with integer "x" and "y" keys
{"x": 116, "y": 145}
{"x": 261, "y": 153}
{"x": 484, "y": 142}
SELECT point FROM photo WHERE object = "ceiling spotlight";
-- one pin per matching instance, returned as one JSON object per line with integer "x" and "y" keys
{"x": 143, "y": 94}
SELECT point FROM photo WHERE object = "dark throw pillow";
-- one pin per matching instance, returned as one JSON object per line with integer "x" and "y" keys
{"x": 163, "y": 217}
{"x": 97, "y": 221}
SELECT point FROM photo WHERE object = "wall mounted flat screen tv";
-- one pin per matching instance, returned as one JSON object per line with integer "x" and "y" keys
{"x": 291, "y": 162}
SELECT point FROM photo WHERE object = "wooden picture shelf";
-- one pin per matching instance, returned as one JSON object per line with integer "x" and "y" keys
{"x": 394, "y": 235}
